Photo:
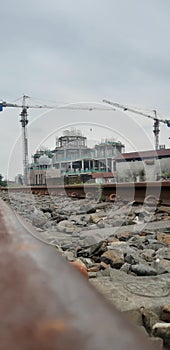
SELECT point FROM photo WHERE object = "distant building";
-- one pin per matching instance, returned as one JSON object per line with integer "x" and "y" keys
{"x": 72, "y": 158}
{"x": 19, "y": 179}
{"x": 38, "y": 169}
{"x": 143, "y": 165}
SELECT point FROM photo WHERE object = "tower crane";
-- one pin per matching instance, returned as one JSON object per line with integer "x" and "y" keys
{"x": 157, "y": 120}
{"x": 24, "y": 122}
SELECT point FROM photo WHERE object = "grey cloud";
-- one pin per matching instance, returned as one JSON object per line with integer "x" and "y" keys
{"x": 85, "y": 49}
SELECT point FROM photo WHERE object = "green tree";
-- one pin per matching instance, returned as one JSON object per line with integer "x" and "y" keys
{"x": 2, "y": 182}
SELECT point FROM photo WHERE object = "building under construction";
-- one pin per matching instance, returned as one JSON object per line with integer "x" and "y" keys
{"x": 73, "y": 161}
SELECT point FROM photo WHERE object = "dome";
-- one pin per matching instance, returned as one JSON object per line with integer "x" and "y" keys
{"x": 44, "y": 160}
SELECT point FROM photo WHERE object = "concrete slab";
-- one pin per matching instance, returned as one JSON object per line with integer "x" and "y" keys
{"x": 128, "y": 293}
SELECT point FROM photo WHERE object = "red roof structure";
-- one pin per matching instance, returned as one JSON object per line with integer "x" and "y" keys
{"x": 103, "y": 175}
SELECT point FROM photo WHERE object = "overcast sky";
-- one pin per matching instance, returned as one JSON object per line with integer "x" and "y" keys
{"x": 78, "y": 51}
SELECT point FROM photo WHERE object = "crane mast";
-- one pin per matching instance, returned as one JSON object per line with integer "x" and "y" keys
{"x": 24, "y": 123}
{"x": 156, "y": 125}
{"x": 156, "y": 130}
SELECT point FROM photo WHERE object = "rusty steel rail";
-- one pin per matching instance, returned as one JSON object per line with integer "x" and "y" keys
{"x": 46, "y": 304}
{"x": 125, "y": 191}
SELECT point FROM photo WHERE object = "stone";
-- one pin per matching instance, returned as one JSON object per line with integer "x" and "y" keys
{"x": 162, "y": 330}
{"x": 38, "y": 218}
{"x": 87, "y": 208}
{"x": 57, "y": 217}
{"x": 165, "y": 264}
{"x": 92, "y": 274}
{"x": 163, "y": 253}
{"x": 88, "y": 240}
{"x": 124, "y": 236}
{"x": 160, "y": 269}
{"x": 163, "y": 238}
{"x": 149, "y": 319}
{"x": 69, "y": 255}
{"x": 114, "y": 258}
{"x": 95, "y": 218}
{"x": 143, "y": 270}
{"x": 103, "y": 265}
{"x": 101, "y": 224}
{"x": 95, "y": 250}
{"x": 112, "y": 240}
{"x": 132, "y": 258}
{"x": 95, "y": 268}
{"x": 165, "y": 313}
{"x": 163, "y": 208}
{"x": 154, "y": 244}
{"x": 125, "y": 267}
{"x": 66, "y": 226}
{"x": 117, "y": 243}
{"x": 148, "y": 254}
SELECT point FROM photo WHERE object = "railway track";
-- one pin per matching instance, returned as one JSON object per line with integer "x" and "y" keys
{"x": 46, "y": 304}
{"x": 139, "y": 192}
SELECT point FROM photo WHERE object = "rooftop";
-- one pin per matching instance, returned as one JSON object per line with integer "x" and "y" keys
{"x": 144, "y": 154}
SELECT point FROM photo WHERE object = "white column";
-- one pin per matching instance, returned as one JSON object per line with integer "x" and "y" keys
{"x": 82, "y": 164}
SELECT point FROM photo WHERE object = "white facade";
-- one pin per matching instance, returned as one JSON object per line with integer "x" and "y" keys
{"x": 143, "y": 166}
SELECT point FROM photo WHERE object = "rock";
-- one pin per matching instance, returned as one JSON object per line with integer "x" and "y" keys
{"x": 57, "y": 217}
{"x": 132, "y": 258}
{"x": 66, "y": 245}
{"x": 88, "y": 240}
{"x": 95, "y": 268}
{"x": 138, "y": 242}
{"x": 163, "y": 238}
{"x": 87, "y": 208}
{"x": 164, "y": 209}
{"x": 149, "y": 319}
{"x": 148, "y": 254}
{"x": 104, "y": 266}
{"x": 69, "y": 255}
{"x": 95, "y": 218}
{"x": 46, "y": 209}
{"x": 162, "y": 330}
{"x": 47, "y": 225}
{"x": 165, "y": 313}
{"x": 154, "y": 244}
{"x": 66, "y": 226}
{"x": 76, "y": 219}
{"x": 101, "y": 224}
{"x": 125, "y": 267}
{"x": 38, "y": 218}
{"x": 114, "y": 258}
{"x": 163, "y": 253}
{"x": 92, "y": 274}
{"x": 165, "y": 264}
{"x": 143, "y": 270}
{"x": 112, "y": 240}
{"x": 95, "y": 250}
{"x": 160, "y": 269}
{"x": 124, "y": 236}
